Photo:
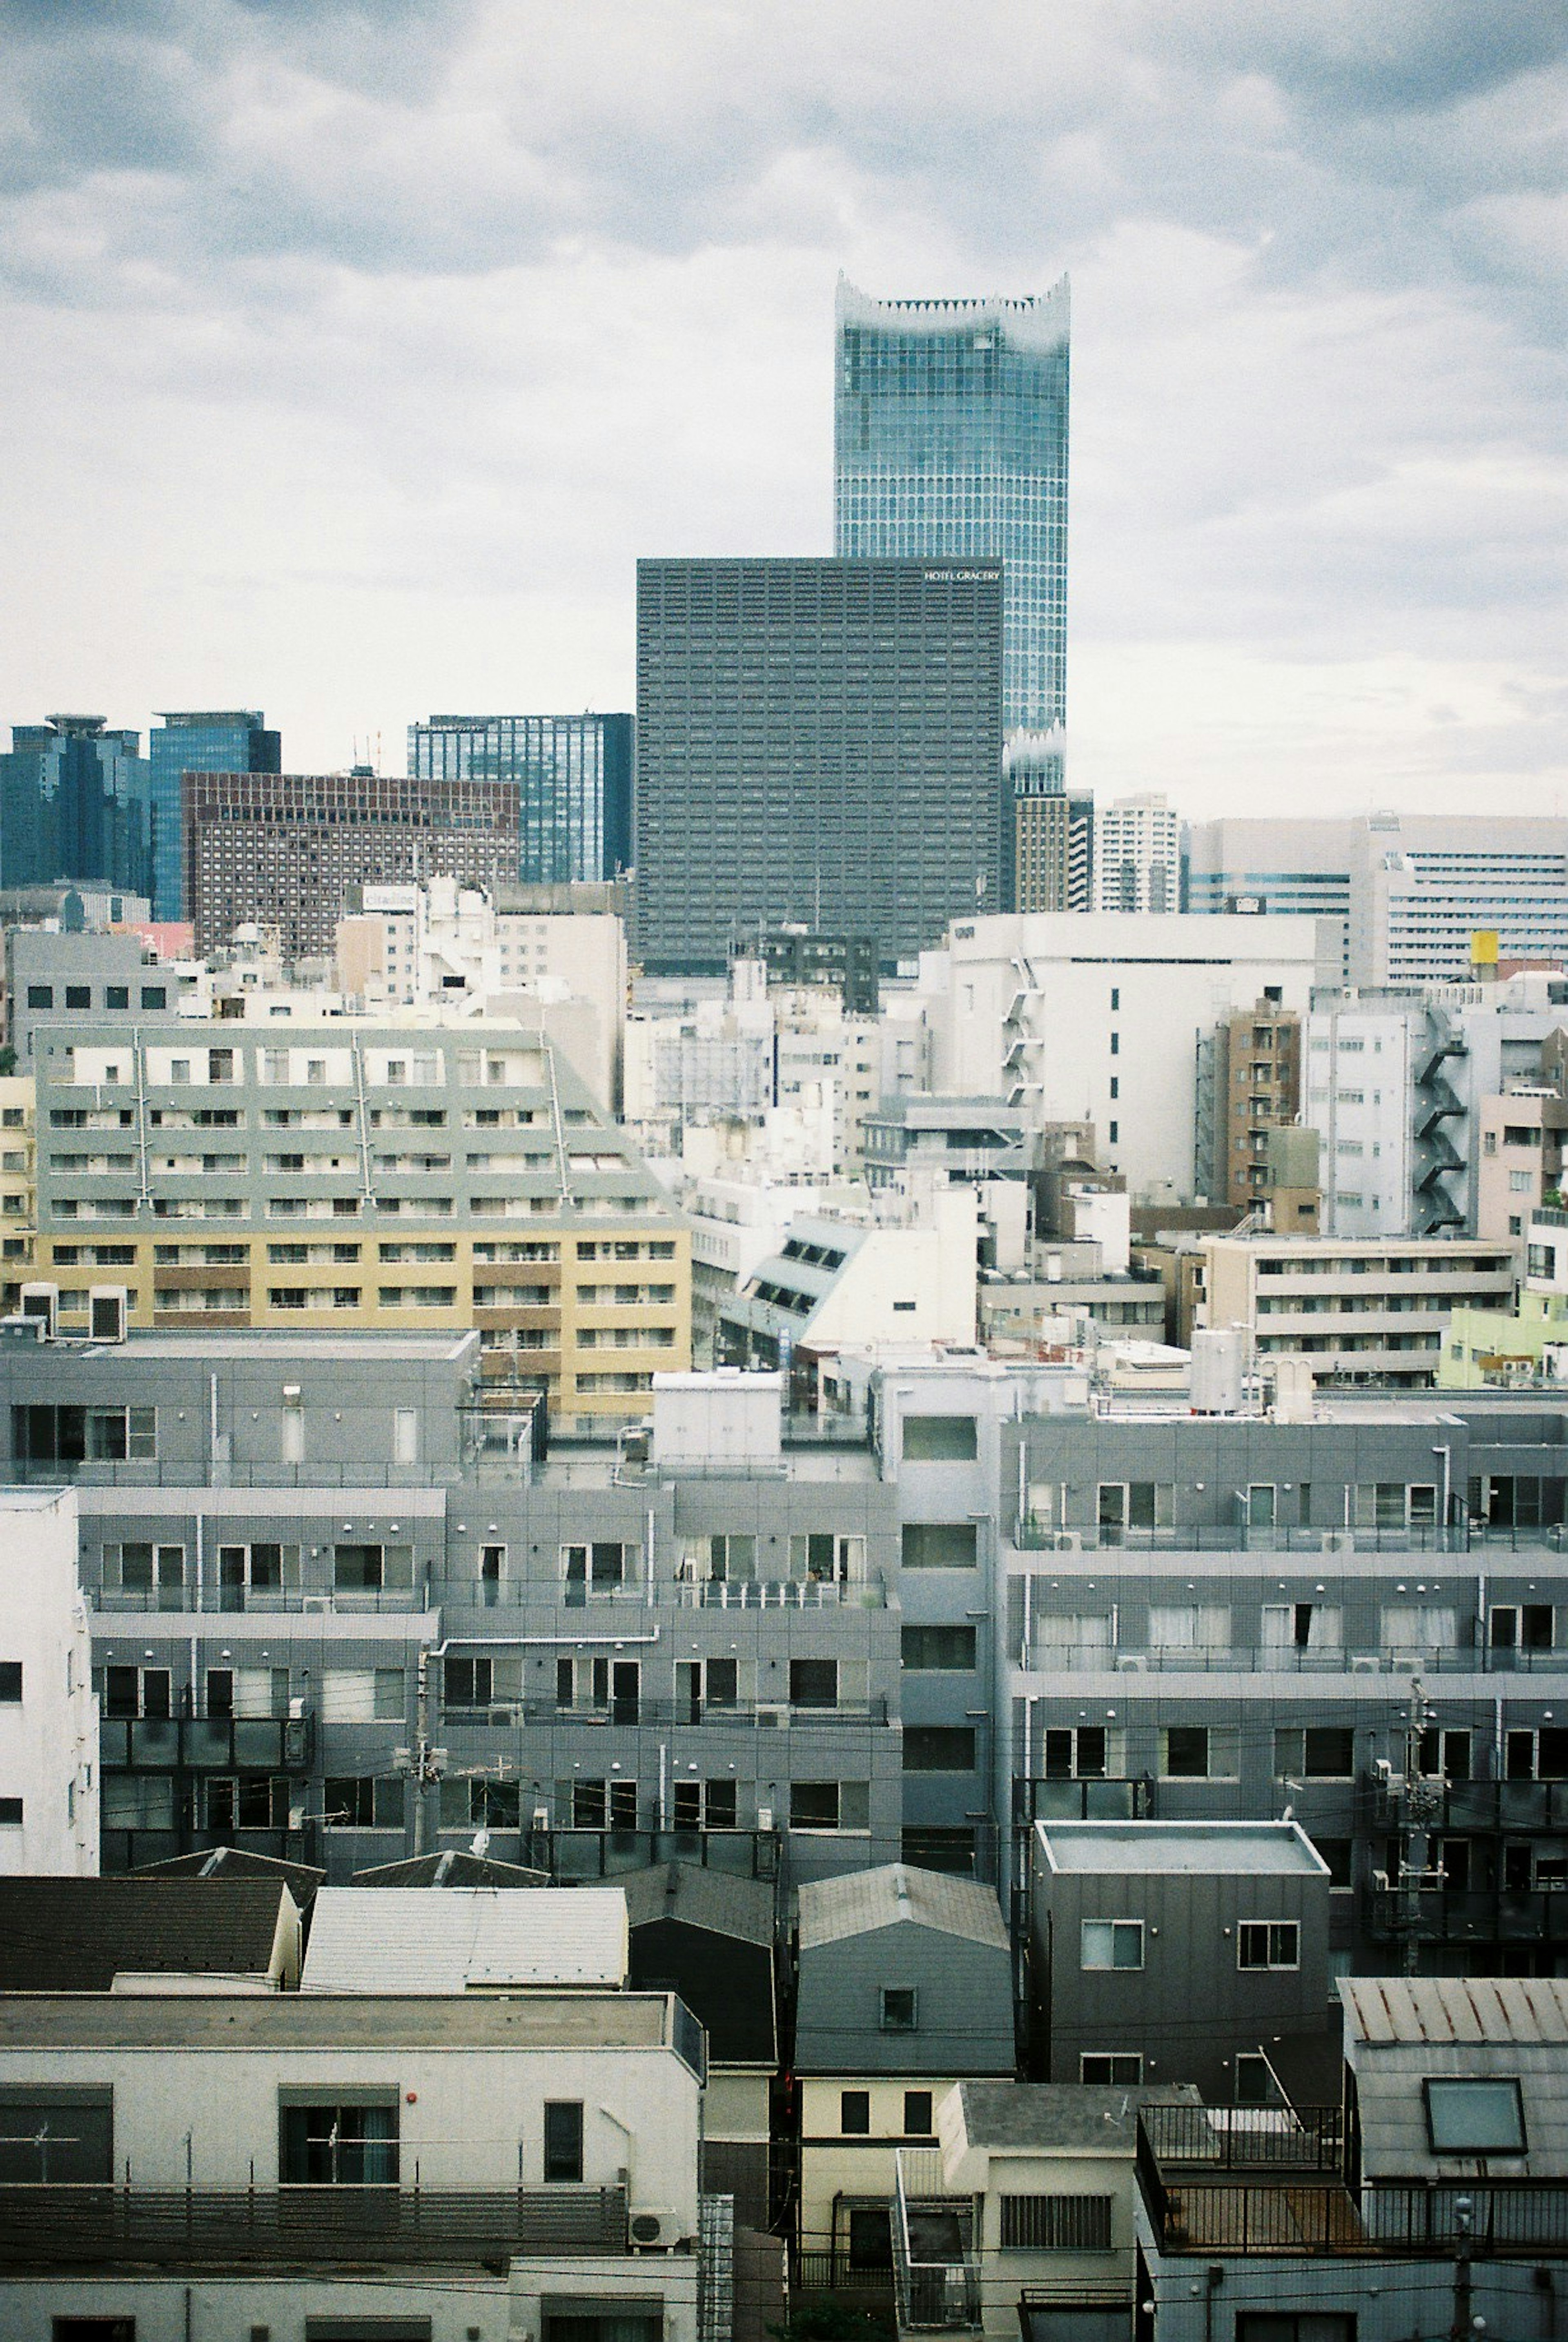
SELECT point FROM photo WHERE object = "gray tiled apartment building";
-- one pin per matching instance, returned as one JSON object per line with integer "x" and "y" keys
{"x": 817, "y": 741}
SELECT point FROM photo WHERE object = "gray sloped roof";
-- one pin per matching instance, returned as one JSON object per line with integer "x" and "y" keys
{"x": 1381, "y": 2010}
{"x": 864, "y": 1900}
{"x": 714, "y": 1900}
{"x": 1050, "y": 2117}
{"x": 76, "y": 1934}
{"x": 301, "y": 1879}
{"x": 406, "y": 1939}
{"x": 449, "y": 1867}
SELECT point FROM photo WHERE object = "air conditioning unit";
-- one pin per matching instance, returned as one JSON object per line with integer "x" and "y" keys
{"x": 1131, "y": 1663}
{"x": 108, "y": 1313}
{"x": 1339, "y": 1541}
{"x": 1365, "y": 1663}
{"x": 772, "y": 1713}
{"x": 43, "y": 1302}
{"x": 652, "y": 2229}
{"x": 316, "y": 1605}
{"x": 1067, "y": 1541}
{"x": 764, "y": 1818}
{"x": 541, "y": 1818}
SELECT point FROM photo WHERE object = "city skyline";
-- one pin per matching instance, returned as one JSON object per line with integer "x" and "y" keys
{"x": 379, "y": 359}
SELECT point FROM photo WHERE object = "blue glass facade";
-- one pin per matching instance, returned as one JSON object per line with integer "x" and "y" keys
{"x": 220, "y": 740}
{"x": 950, "y": 438}
{"x": 76, "y": 802}
{"x": 574, "y": 774}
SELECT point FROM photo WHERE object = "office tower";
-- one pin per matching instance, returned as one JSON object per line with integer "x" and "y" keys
{"x": 219, "y": 740}
{"x": 573, "y": 779}
{"x": 281, "y": 849}
{"x": 75, "y": 803}
{"x": 1138, "y": 855}
{"x": 950, "y": 438}
{"x": 817, "y": 741}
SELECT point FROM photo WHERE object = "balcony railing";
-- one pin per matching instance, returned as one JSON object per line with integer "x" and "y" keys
{"x": 935, "y": 2263}
{"x": 1208, "y": 2139}
{"x": 1031, "y": 1536}
{"x": 61, "y": 2225}
{"x": 214, "y": 1744}
{"x": 670, "y": 1714}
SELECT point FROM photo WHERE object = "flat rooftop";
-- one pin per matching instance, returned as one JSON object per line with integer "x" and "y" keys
{"x": 243, "y": 1344}
{"x": 1203, "y": 1849}
{"x": 294, "y": 2021}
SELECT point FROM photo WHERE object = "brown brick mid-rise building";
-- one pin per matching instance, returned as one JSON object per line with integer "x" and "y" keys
{"x": 280, "y": 849}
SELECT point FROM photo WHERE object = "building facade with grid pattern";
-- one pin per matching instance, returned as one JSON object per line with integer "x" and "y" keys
{"x": 574, "y": 778}
{"x": 950, "y": 438}
{"x": 817, "y": 741}
{"x": 281, "y": 849}
{"x": 218, "y": 740}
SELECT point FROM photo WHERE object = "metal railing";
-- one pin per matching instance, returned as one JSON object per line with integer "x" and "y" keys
{"x": 935, "y": 2265}
{"x": 1246, "y": 2138}
{"x": 1030, "y": 1536}
{"x": 671, "y": 1713}
{"x": 58, "y": 2224}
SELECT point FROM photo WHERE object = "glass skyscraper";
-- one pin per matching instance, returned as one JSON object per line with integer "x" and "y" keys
{"x": 950, "y": 438}
{"x": 574, "y": 774}
{"x": 75, "y": 802}
{"x": 214, "y": 740}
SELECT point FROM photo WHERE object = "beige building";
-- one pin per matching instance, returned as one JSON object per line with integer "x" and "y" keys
{"x": 1359, "y": 1310}
{"x": 1519, "y": 1164}
{"x": 1256, "y": 1088}
{"x": 18, "y": 1202}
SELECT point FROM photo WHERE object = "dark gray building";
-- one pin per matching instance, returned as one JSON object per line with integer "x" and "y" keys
{"x": 817, "y": 741}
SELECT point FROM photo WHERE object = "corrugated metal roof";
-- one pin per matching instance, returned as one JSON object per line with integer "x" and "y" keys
{"x": 407, "y": 1939}
{"x": 1503, "y": 2009}
{"x": 864, "y": 1900}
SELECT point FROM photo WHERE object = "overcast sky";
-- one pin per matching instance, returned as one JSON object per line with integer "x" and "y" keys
{"x": 351, "y": 354}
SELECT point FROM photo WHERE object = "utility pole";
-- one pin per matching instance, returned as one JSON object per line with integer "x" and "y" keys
{"x": 1418, "y": 1805}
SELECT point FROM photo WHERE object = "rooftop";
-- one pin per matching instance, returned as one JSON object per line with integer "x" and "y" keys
{"x": 1048, "y": 2117}
{"x": 831, "y": 1910}
{"x": 1384, "y": 2011}
{"x": 307, "y": 2021}
{"x": 405, "y": 1939}
{"x": 76, "y": 1934}
{"x": 715, "y": 1900}
{"x": 1208, "y": 1849}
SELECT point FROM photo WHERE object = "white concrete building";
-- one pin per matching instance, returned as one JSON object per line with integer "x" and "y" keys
{"x": 834, "y": 1284}
{"x": 1138, "y": 855}
{"x": 48, "y": 1711}
{"x": 1097, "y": 1017}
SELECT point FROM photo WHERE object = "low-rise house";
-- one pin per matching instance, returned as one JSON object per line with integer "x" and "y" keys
{"x": 1166, "y": 1951}
{"x": 131, "y": 1935}
{"x": 904, "y": 1986}
{"x": 312, "y": 2164}
{"x": 227, "y": 1862}
{"x": 709, "y": 1935}
{"x": 467, "y": 1939}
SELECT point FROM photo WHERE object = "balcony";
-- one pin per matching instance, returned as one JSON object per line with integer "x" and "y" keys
{"x": 935, "y": 2254}
{"x": 1031, "y": 1535}
{"x": 670, "y": 1715}
{"x": 207, "y": 1744}
{"x": 52, "y": 2226}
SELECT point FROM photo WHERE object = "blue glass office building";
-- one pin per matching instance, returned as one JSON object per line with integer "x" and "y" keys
{"x": 215, "y": 740}
{"x": 573, "y": 775}
{"x": 950, "y": 438}
{"x": 75, "y": 802}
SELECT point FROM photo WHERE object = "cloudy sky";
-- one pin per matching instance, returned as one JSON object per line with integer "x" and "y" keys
{"x": 349, "y": 354}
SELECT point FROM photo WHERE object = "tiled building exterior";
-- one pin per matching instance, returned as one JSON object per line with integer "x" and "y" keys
{"x": 573, "y": 780}
{"x": 216, "y": 740}
{"x": 281, "y": 849}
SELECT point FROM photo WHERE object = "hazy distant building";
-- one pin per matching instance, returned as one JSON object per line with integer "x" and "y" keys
{"x": 950, "y": 438}
{"x": 1138, "y": 855}
{"x": 573, "y": 780}
{"x": 75, "y": 802}
{"x": 222, "y": 740}
{"x": 817, "y": 742}
{"x": 280, "y": 849}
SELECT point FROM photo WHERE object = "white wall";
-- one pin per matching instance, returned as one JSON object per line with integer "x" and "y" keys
{"x": 49, "y": 1739}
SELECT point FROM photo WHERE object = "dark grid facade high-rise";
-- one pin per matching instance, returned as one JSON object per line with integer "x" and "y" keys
{"x": 213, "y": 740}
{"x": 949, "y": 437}
{"x": 817, "y": 741}
{"x": 75, "y": 802}
{"x": 574, "y": 777}
{"x": 280, "y": 849}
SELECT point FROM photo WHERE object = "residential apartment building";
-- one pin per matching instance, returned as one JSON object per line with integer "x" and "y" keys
{"x": 1249, "y": 1083}
{"x": 280, "y": 850}
{"x": 572, "y": 774}
{"x": 49, "y": 1777}
{"x": 818, "y": 742}
{"x": 949, "y": 442}
{"x": 212, "y": 740}
{"x": 1138, "y": 855}
{"x": 1357, "y": 1310}
{"x": 344, "y": 1174}
{"x": 52, "y": 978}
{"x": 18, "y": 1186}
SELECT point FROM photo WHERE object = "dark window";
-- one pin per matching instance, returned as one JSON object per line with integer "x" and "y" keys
{"x": 1268, "y": 1944}
{"x": 339, "y": 2142}
{"x": 10, "y": 1680}
{"x": 900, "y": 2005}
{"x": 154, "y": 995}
{"x": 79, "y": 995}
{"x": 93, "y": 2329}
{"x": 40, "y": 996}
{"x": 854, "y": 2112}
{"x": 1187, "y": 1752}
{"x": 56, "y": 2134}
{"x": 364, "y": 1802}
{"x": 1112, "y": 2068}
{"x": 10, "y": 1813}
{"x": 939, "y": 1439}
{"x": 939, "y": 1544}
{"x": 938, "y": 1749}
{"x": 563, "y": 2139}
{"x": 917, "y": 2122}
{"x": 1285, "y": 2326}
{"x": 870, "y": 2237}
{"x": 814, "y": 1683}
{"x": 116, "y": 996}
{"x": 469, "y": 1683}
{"x": 931, "y": 1649}
{"x": 814, "y": 1805}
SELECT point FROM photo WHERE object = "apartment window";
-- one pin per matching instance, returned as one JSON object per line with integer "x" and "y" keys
{"x": 371, "y": 1568}
{"x": 830, "y": 1804}
{"x": 1076, "y": 1752}
{"x": 470, "y": 1683}
{"x": 1524, "y": 1627}
{"x": 11, "y": 1813}
{"x": 1268, "y": 1944}
{"x": 814, "y": 1683}
{"x": 1445, "y": 1754}
{"x": 1288, "y": 2325}
{"x": 938, "y": 1749}
{"x": 940, "y": 1545}
{"x": 84, "y": 1435}
{"x": 1539, "y": 1756}
{"x": 349, "y": 2140}
{"x": 1322, "y": 1752}
{"x": 1112, "y": 2069}
{"x": 147, "y": 1569}
{"x": 1189, "y": 1627}
{"x": 1056, "y": 2224}
{"x": 1200, "y": 1752}
{"x": 1135, "y": 1503}
{"x": 940, "y": 1439}
{"x": 56, "y": 2133}
{"x": 854, "y": 2114}
{"x": 938, "y": 1650}
{"x": 132, "y": 1692}
{"x": 597, "y": 1568}
{"x": 563, "y": 2140}
{"x": 1111, "y": 1943}
{"x": 364, "y": 1802}
{"x": 40, "y": 996}
{"x": 1474, "y": 2117}
{"x": 10, "y": 1682}
{"x": 899, "y": 2005}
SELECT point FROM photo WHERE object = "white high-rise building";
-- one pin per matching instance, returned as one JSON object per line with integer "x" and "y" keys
{"x": 1137, "y": 856}
{"x": 48, "y": 1711}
